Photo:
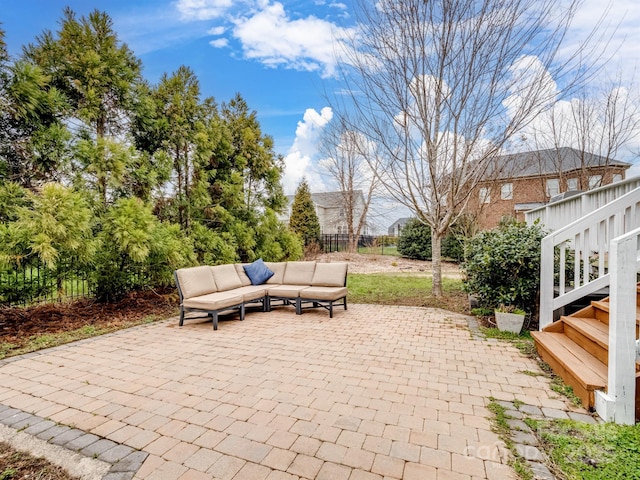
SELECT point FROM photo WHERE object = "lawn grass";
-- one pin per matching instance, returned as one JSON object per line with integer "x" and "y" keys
{"x": 590, "y": 452}
{"x": 388, "y": 250}
{"x": 405, "y": 289}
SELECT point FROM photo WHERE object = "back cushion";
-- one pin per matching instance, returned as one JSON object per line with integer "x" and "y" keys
{"x": 299, "y": 273}
{"x": 226, "y": 277}
{"x": 278, "y": 272}
{"x": 246, "y": 281}
{"x": 196, "y": 281}
{"x": 330, "y": 274}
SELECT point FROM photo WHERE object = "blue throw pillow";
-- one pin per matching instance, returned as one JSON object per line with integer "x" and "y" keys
{"x": 258, "y": 272}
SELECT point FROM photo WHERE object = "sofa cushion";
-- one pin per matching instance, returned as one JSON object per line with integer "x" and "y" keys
{"x": 258, "y": 272}
{"x": 285, "y": 291}
{"x": 323, "y": 293}
{"x": 226, "y": 277}
{"x": 330, "y": 275}
{"x": 299, "y": 273}
{"x": 196, "y": 281}
{"x": 243, "y": 276}
{"x": 214, "y": 301}
{"x": 251, "y": 292}
{"x": 278, "y": 272}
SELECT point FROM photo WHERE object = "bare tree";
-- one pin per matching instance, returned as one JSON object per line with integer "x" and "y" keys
{"x": 598, "y": 124}
{"x": 348, "y": 162}
{"x": 442, "y": 86}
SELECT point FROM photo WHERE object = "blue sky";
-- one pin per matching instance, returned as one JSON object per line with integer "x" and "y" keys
{"x": 277, "y": 54}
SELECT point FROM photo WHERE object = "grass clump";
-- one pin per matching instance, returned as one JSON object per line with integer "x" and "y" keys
{"x": 503, "y": 429}
{"x": 591, "y": 452}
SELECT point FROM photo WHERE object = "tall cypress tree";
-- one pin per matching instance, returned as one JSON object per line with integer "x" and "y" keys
{"x": 304, "y": 220}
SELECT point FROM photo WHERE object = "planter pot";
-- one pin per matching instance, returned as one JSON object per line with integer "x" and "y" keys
{"x": 509, "y": 322}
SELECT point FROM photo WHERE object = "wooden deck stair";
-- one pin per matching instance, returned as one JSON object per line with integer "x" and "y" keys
{"x": 577, "y": 347}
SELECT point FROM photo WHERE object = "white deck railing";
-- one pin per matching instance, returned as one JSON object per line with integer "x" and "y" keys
{"x": 586, "y": 241}
{"x": 558, "y": 214}
{"x": 618, "y": 403}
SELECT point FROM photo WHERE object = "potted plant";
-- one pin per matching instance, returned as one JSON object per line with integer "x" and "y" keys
{"x": 509, "y": 318}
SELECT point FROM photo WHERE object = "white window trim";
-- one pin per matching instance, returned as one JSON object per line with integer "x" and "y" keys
{"x": 509, "y": 194}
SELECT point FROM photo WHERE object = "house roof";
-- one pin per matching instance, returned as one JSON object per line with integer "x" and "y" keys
{"x": 328, "y": 199}
{"x": 401, "y": 221}
{"x": 551, "y": 161}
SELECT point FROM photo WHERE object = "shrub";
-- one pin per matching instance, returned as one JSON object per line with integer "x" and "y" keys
{"x": 415, "y": 240}
{"x": 502, "y": 266}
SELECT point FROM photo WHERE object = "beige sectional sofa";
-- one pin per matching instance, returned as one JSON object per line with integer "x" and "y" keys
{"x": 220, "y": 288}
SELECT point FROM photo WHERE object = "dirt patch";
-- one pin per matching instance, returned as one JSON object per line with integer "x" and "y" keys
{"x": 15, "y": 465}
{"x": 17, "y": 325}
{"x": 359, "y": 263}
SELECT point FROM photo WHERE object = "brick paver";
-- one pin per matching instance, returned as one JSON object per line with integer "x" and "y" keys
{"x": 376, "y": 392}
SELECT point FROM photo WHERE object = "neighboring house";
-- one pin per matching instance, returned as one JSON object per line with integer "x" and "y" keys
{"x": 331, "y": 211}
{"x": 396, "y": 228}
{"x": 531, "y": 179}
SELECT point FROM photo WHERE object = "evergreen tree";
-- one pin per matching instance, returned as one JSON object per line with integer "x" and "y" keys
{"x": 415, "y": 240}
{"x": 97, "y": 74}
{"x": 304, "y": 220}
{"x": 33, "y": 140}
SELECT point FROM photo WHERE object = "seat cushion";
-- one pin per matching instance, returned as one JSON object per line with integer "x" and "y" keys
{"x": 196, "y": 281}
{"x": 299, "y": 273}
{"x": 226, "y": 277}
{"x": 330, "y": 275}
{"x": 323, "y": 293}
{"x": 214, "y": 301}
{"x": 251, "y": 292}
{"x": 258, "y": 272}
{"x": 285, "y": 291}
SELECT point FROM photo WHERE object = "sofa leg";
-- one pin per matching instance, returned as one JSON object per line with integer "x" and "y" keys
{"x": 298, "y": 306}
{"x": 181, "y": 316}
{"x": 330, "y": 309}
{"x": 345, "y": 303}
{"x": 242, "y": 312}
{"x": 214, "y": 317}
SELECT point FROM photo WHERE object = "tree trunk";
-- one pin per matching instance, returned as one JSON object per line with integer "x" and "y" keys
{"x": 436, "y": 264}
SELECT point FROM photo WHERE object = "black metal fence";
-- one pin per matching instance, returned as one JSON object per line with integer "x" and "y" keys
{"x": 339, "y": 242}
{"x": 35, "y": 283}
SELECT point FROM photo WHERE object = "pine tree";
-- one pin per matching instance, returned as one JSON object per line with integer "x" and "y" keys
{"x": 304, "y": 220}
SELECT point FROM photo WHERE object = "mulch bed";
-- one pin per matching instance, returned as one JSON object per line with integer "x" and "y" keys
{"x": 18, "y": 324}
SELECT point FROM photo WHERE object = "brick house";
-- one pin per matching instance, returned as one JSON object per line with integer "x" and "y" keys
{"x": 531, "y": 179}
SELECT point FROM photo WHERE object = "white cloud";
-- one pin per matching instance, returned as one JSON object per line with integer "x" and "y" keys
{"x": 273, "y": 38}
{"x": 299, "y": 162}
{"x": 216, "y": 30}
{"x": 202, "y": 9}
{"x": 219, "y": 42}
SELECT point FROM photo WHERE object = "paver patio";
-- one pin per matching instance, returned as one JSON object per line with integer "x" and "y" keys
{"x": 376, "y": 392}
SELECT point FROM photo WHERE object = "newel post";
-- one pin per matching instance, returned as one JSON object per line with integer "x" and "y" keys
{"x": 546, "y": 281}
{"x": 618, "y": 404}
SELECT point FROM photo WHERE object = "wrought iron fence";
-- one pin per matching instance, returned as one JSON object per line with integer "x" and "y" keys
{"x": 339, "y": 242}
{"x": 35, "y": 283}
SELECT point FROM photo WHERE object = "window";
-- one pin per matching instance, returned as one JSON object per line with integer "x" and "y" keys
{"x": 553, "y": 187}
{"x": 572, "y": 184}
{"x": 485, "y": 195}
{"x": 617, "y": 177}
{"x": 595, "y": 181}
{"x": 506, "y": 191}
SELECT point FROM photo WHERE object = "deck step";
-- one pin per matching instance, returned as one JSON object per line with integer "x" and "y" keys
{"x": 575, "y": 365}
{"x": 590, "y": 334}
